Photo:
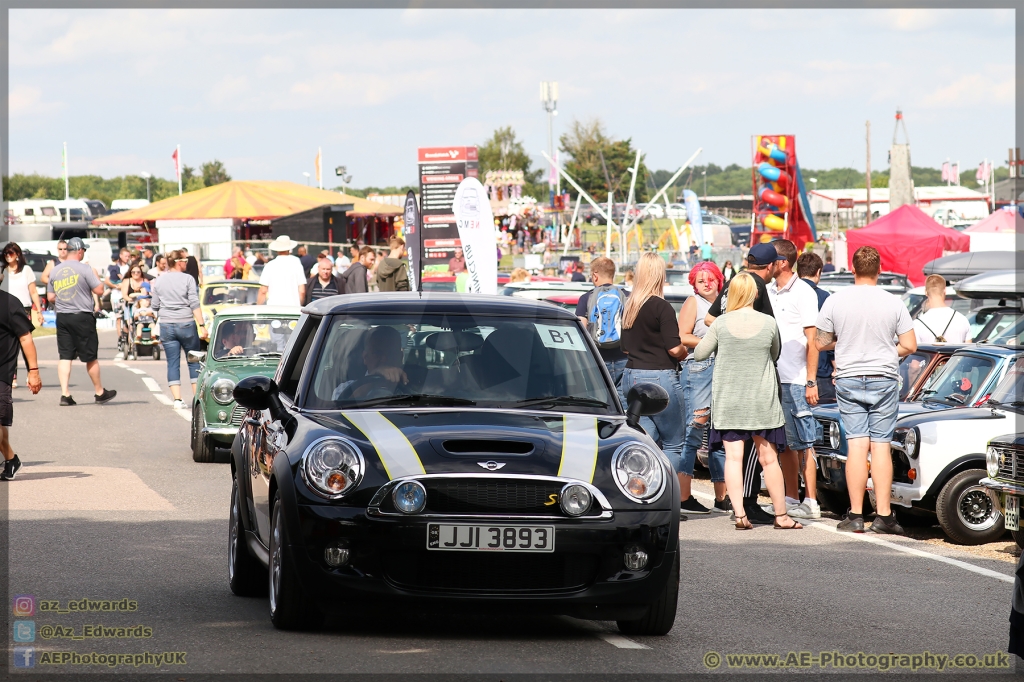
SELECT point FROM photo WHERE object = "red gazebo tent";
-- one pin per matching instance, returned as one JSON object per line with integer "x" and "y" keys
{"x": 907, "y": 239}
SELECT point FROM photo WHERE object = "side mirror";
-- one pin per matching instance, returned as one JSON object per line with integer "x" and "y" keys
{"x": 195, "y": 356}
{"x": 260, "y": 393}
{"x": 643, "y": 401}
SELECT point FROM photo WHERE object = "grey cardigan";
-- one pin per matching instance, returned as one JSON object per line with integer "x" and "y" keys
{"x": 744, "y": 389}
{"x": 174, "y": 297}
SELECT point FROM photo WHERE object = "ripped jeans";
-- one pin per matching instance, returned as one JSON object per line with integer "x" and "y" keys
{"x": 696, "y": 382}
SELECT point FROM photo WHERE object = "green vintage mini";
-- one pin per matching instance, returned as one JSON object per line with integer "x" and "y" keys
{"x": 245, "y": 341}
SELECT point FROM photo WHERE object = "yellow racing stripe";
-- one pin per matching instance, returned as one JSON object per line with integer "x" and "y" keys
{"x": 395, "y": 451}
{"x": 579, "y": 448}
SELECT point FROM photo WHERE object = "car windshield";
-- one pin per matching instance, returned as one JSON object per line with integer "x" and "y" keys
{"x": 959, "y": 381}
{"x": 911, "y": 368}
{"x": 1011, "y": 335}
{"x": 1010, "y": 391}
{"x": 677, "y": 277}
{"x": 1005, "y": 328}
{"x": 261, "y": 337}
{"x": 230, "y": 294}
{"x": 458, "y": 359}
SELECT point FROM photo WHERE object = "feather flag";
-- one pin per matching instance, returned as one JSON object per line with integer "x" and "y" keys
{"x": 319, "y": 168}
{"x": 946, "y": 175}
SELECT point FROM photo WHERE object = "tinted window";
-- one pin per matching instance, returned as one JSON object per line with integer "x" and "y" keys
{"x": 288, "y": 381}
{"x": 959, "y": 381}
{"x": 436, "y": 359}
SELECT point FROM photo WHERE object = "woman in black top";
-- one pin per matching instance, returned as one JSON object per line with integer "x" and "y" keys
{"x": 650, "y": 339}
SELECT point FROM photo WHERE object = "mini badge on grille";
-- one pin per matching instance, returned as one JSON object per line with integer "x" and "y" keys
{"x": 491, "y": 465}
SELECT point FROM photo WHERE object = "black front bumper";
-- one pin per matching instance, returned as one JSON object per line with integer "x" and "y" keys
{"x": 585, "y": 576}
{"x": 831, "y": 470}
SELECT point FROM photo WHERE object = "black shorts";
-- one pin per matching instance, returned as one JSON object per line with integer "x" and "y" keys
{"x": 77, "y": 337}
{"x": 6, "y": 405}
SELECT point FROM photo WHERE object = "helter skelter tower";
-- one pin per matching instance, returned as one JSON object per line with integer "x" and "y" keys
{"x": 901, "y": 184}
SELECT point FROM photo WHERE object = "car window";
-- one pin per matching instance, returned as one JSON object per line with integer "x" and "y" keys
{"x": 676, "y": 277}
{"x": 48, "y": 210}
{"x": 910, "y": 371}
{"x": 251, "y": 338}
{"x": 450, "y": 359}
{"x": 1004, "y": 323}
{"x": 1010, "y": 391}
{"x": 289, "y": 374}
{"x": 1011, "y": 335}
{"x": 230, "y": 294}
{"x": 959, "y": 380}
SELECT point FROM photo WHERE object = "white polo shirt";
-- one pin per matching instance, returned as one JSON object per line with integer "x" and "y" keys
{"x": 796, "y": 307}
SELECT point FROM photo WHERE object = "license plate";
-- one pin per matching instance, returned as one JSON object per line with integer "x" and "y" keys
{"x": 1011, "y": 517}
{"x": 466, "y": 538}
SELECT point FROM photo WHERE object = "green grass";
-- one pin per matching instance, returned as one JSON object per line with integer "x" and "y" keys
{"x": 44, "y": 331}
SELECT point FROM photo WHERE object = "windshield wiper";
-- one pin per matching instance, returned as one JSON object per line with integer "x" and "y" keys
{"x": 562, "y": 400}
{"x": 415, "y": 399}
{"x": 944, "y": 398}
{"x": 267, "y": 354}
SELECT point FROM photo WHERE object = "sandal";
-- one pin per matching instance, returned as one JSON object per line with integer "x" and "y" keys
{"x": 742, "y": 523}
{"x": 796, "y": 524}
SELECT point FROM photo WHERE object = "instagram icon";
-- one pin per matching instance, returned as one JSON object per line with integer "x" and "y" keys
{"x": 24, "y": 605}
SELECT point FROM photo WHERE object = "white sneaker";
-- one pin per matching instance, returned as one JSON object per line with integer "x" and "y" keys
{"x": 806, "y": 510}
{"x": 179, "y": 405}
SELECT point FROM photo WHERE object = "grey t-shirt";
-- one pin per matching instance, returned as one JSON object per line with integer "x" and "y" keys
{"x": 866, "y": 321}
{"x": 72, "y": 283}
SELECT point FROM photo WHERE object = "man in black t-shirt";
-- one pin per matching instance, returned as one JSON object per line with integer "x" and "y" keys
{"x": 15, "y": 336}
{"x": 761, "y": 264}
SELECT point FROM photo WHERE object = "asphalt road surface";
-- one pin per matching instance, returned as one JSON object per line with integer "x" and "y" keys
{"x": 110, "y": 506}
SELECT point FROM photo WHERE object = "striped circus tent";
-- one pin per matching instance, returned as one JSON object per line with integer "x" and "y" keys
{"x": 247, "y": 200}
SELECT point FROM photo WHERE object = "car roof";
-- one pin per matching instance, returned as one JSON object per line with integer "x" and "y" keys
{"x": 552, "y": 284}
{"x": 267, "y": 310}
{"x": 989, "y": 349}
{"x": 437, "y": 302}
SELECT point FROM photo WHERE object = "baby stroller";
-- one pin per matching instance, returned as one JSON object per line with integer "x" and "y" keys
{"x": 142, "y": 340}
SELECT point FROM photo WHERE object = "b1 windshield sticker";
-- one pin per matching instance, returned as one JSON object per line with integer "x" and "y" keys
{"x": 560, "y": 337}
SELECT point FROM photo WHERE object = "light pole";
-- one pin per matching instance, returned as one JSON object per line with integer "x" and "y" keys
{"x": 705, "y": 174}
{"x": 342, "y": 173}
{"x": 549, "y": 98}
{"x": 146, "y": 175}
{"x": 307, "y": 177}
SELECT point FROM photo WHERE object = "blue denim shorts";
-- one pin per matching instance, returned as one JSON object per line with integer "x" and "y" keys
{"x": 868, "y": 406}
{"x": 801, "y": 426}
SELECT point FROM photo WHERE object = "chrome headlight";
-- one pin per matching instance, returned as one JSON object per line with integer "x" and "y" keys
{"x": 992, "y": 462}
{"x": 834, "y": 439}
{"x": 223, "y": 390}
{"x": 410, "y": 497}
{"x": 638, "y": 472}
{"x": 208, "y": 321}
{"x": 910, "y": 442}
{"x": 332, "y": 467}
{"x": 575, "y": 499}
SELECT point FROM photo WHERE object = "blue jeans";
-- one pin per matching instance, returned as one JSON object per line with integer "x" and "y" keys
{"x": 615, "y": 369}
{"x": 666, "y": 426}
{"x": 696, "y": 382}
{"x": 177, "y": 337}
{"x": 868, "y": 406}
{"x": 801, "y": 426}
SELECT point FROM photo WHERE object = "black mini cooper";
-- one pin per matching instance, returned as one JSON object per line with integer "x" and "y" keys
{"x": 456, "y": 451}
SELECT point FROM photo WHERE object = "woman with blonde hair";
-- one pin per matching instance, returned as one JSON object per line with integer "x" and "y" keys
{"x": 745, "y": 395}
{"x": 650, "y": 339}
{"x": 519, "y": 275}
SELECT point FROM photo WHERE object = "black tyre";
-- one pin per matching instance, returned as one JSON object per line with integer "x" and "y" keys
{"x": 246, "y": 576}
{"x": 156, "y": 352}
{"x": 913, "y": 518}
{"x": 661, "y": 615}
{"x": 202, "y": 447}
{"x": 966, "y": 511}
{"x": 290, "y": 608}
{"x": 1018, "y": 537}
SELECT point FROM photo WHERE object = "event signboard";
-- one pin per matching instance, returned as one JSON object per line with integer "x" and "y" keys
{"x": 413, "y": 243}
{"x": 441, "y": 169}
{"x": 475, "y": 224}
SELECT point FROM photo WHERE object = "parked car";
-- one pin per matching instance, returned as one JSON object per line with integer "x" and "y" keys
{"x": 892, "y": 282}
{"x": 1004, "y": 464}
{"x": 502, "y": 474}
{"x": 246, "y": 341}
{"x": 916, "y": 368}
{"x": 38, "y": 262}
{"x": 1000, "y": 296}
{"x": 539, "y": 290}
{"x": 217, "y": 295}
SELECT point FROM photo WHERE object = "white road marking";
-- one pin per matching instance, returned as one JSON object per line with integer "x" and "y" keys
{"x": 162, "y": 398}
{"x": 152, "y": 385}
{"x": 864, "y": 537}
{"x": 120, "y": 364}
{"x": 185, "y": 414}
{"x": 136, "y": 371}
{"x": 620, "y": 642}
{"x": 875, "y": 540}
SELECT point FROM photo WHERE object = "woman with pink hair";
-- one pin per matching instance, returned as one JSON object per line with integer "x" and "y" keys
{"x": 707, "y": 281}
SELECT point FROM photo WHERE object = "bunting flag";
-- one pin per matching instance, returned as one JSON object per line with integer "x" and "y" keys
{"x": 946, "y": 175}
{"x": 177, "y": 164}
{"x": 954, "y": 174}
{"x": 319, "y": 169}
{"x": 984, "y": 171}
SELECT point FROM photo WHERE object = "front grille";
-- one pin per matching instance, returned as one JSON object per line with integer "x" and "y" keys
{"x": 499, "y": 496}
{"x": 1011, "y": 465}
{"x": 900, "y": 467}
{"x": 498, "y": 572}
{"x": 237, "y": 415}
{"x": 821, "y": 441}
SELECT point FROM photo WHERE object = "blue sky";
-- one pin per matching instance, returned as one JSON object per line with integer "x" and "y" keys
{"x": 262, "y": 89}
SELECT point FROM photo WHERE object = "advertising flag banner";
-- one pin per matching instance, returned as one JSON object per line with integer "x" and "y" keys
{"x": 475, "y": 222}
{"x": 413, "y": 241}
{"x": 319, "y": 169}
{"x": 441, "y": 169}
{"x": 946, "y": 175}
{"x": 177, "y": 166}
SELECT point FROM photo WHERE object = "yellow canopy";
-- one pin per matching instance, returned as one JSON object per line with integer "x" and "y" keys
{"x": 247, "y": 200}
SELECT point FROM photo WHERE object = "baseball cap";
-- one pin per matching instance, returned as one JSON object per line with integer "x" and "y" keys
{"x": 76, "y": 244}
{"x": 763, "y": 254}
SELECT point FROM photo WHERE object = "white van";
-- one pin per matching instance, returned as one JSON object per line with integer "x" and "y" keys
{"x": 74, "y": 211}
{"x": 32, "y": 211}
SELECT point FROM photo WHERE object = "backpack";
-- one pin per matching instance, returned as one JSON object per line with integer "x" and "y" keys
{"x": 604, "y": 315}
{"x": 939, "y": 338}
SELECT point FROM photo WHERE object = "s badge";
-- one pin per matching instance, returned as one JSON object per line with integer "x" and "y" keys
{"x": 491, "y": 465}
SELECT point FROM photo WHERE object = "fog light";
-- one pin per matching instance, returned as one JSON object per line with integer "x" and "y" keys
{"x": 410, "y": 497}
{"x": 336, "y": 556}
{"x": 222, "y": 416}
{"x": 635, "y": 557}
{"x": 912, "y": 474}
{"x": 575, "y": 499}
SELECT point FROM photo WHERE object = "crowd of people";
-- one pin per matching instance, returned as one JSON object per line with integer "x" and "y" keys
{"x": 743, "y": 362}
